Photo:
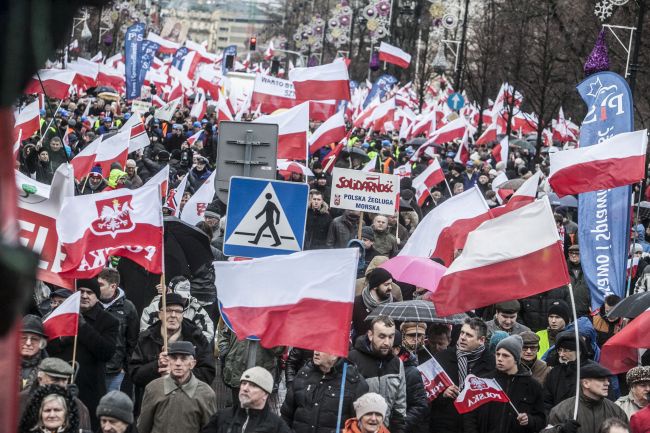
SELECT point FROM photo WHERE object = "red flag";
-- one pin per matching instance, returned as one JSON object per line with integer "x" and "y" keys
{"x": 56, "y": 83}
{"x": 293, "y": 125}
{"x": 64, "y": 320}
{"x": 394, "y": 55}
{"x": 451, "y": 131}
{"x": 526, "y": 194}
{"x": 429, "y": 178}
{"x": 28, "y": 120}
{"x": 102, "y": 152}
{"x": 462, "y": 155}
{"x": 489, "y": 135}
{"x": 330, "y": 131}
{"x": 500, "y": 150}
{"x": 435, "y": 379}
{"x": 621, "y": 353}
{"x": 476, "y": 392}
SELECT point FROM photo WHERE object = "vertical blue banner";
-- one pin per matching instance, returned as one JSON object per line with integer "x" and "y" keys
{"x": 133, "y": 53}
{"x": 381, "y": 86}
{"x": 604, "y": 216}
{"x": 230, "y": 50}
{"x": 149, "y": 49}
{"x": 179, "y": 57}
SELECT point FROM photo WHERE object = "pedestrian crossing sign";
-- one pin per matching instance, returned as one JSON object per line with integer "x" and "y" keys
{"x": 265, "y": 217}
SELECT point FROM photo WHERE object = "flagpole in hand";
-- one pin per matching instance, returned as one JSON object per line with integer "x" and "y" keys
{"x": 577, "y": 337}
{"x": 163, "y": 286}
{"x": 74, "y": 344}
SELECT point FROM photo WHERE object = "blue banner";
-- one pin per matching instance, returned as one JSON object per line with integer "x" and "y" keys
{"x": 179, "y": 57}
{"x": 382, "y": 85}
{"x": 133, "y": 53}
{"x": 604, "y": 216}
{"x": 343, "y": 105}
{"x": 149, "y": 49}
{"x": 230, "y": 50}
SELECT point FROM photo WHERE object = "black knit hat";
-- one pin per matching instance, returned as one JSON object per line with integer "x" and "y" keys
{"x": 116, "y": 404}
{"x": 90, "y": 284}
{"x": 377, "y": 276}
{"x": 560, "y": 308}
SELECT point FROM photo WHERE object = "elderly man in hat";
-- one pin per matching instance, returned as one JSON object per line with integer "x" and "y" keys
{"x": 32, "y": 349}
{"x": 413, "y": 336}
{"x": 54, "y": 371}
{"x": 253, "y": 414}
{"x": 537, "y": 367}
{"x": 178, "y": 401}
{"x": 593, "y": 405}
{"x": 505, "y": 319}
{"x": 115, "y": 413}
{"x": 638, "y": 380}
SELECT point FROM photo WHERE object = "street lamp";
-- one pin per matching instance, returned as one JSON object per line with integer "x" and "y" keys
{"x": 440, "y": 63}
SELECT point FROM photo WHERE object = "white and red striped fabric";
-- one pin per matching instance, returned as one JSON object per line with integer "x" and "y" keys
{"x": 384, "y": 113}
{"x": 476, "y": 392}
{"x": 403, "y": 170}
{"x": 195, "y": 207}
{"x": 286, "y": 167}
{"x": 108, "y": 76}
{"x": 191, "y": 140}
{"x": 363, "y": 118}
{"x": 621, "y": 352}
{"x": 525, "y": 194}
{"x": 429, "y": 178}
{"x": 102, "y": 152}
{"x": 223, "y": 109}
{"x": 27, "y": 121}
{"x": 425, "y": 126}
{"x": 259, "y": 298}
{"x": 160, "y": 180}
{"x": 204, "y": 55}
{"x": 86, "y": 72}
{"x": 174, "y": 197}
{"x": 501, "y": 149}
{"x": 56, "y": 82}
{"x": 269, "y": 52}
{"x": 451, "y": 131}
{"x": 293, "y": 125}
{"x": 166, "y": 46}
{"x": 330, "y": 81}
{"x": 199, "y": 108}
{"x": 64, "y": 320}
{"x": 462, "y": 156}
{"x": 330, "y": 131}
{"x": 138, "y": 138}
{"x": 272, "y": 93}
{"x": 393, "y": 55}
{"x": 125, "y": 223}
{"x": 370, "y": 165}
{"x": 444, "y": 230}
{"x": 617, "y": 161}
{"x": 498, "y": 256}
{"x": 434, "y": 378}
{"x": 321, "y": 110}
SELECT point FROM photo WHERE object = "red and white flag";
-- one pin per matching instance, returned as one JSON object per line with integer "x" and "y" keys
{"x": 223, "y": 109}
{"x": 199, "y": 107}
{"x": 166, "y": 46}
{"x": 434, "y": 378}
{"x": 272, "y": 93}
{"x": 86, "y": 72}
{"x": 330, "y": 81}
{"x": 27, "y": 121}
{"x": 496, "y": 261}
{"x": 321, "y": 110}
{"x": 462, "y": 156}
{"x": 293, "y": 125}
{"x": 108, "y": 76}
{"x": 525, "y": 194}
{"x": 453, "y": 130}
{"x": 56, "y": 83}
{"x": 621, "y": 352}
{"x": 64, "y": 320}
{"x": 370, "y": 165}
{"x": 444, "y": 230}
{"x": 500, "y": 150}
{"x": 330, "y": 131}
{"x": 426, "y": 180}
{"x": 384, "y": 113}
{"x": 125, "y": 223}
{"x": 403, "y": 170}
{"x": 477, "y": 392}
{"x": 393, "y": 55}
{"x": 160, "y": 180}
{"x": 489, "y": 135}
{"x": 166, "y": 112}
{"x": 269, "y": 52}
{"x": 191, "y": 140}
{"x": 197, "y": 204}
{"x": 102, "y": 152}
{"x": 39, "y": 206}
{"x": 617, "y": 161}
{"x": 302, "y": 311}
{"x": 174, "y": 199}
{"x": 138, "y": 138}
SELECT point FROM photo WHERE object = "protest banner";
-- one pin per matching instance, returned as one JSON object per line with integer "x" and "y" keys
{"x": 365, "y": 192}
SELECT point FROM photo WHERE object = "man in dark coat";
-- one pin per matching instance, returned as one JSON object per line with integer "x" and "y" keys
{"x": 377, "y": 292}
{"x": 318, "y": 221}
{"x": 578, "y": 283}
{"x": 417, "y": 405}
{"x": 149, "y": 362}
{"x": 469, "y": 356}
{"x": 534, "y": 309}
{"x": 343, "y": 229}
{"x": 524, "y": 392}
{"x": 96, "y": 342}
{"x": 312, "y": 401}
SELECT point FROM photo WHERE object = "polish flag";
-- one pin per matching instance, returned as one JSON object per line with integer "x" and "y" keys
{"x": 293, "y": 125}
{"x": 269, "y": 52}
{"x": 121, "y": 222}
{"x": 462, "y": 156}
{"x": 525, "y": 194}
{"x": 138, "y": 139}
{"x": 500, "y": 150}
{"x": 166, "y": 112}
{"x": 425, "y": 125}
{"x": 208, "y": 80}
{"x": 434, "y": 378}
{"x": 617, "y": 161}
{"x": 330, "y": 81}
{"x": 403, "y": 170}
{"x": 103, "y": 152}
{"x": 199, "y": 107}
{"x": 97, "y": 58}
{"x": 477, "y": 392}
{"x": 166, "y": 46}
{"x": 330, "y": 131}
{"x": 444, "y": 230}
{"x": 451, "y": 131}
{"x": 203, "y": 54}
{"x": 64, "y": 320}
{"x": 272, "y": 93}
{"x": 300, "y": 311}
{"x": 27, "y": 121}
{"x": 393, "y": 55}
{"x": 370, "y": 165}
{"x": 363, "y": 119}
{"x": 385, "y": 112}
{"x": 56, "y": 83}
{"x": 174, "y": 199}
{"x": 197, "y": 204}
{"x": 330, "y": 158}
{"x": 497, "y": 258}
{"x": 223, "y": 110}
{"x": 489, "y": 135}
{"x": 621, "y": 352}
{"x": 108, "y": 76}
{"x": 194, "y": 137}
{"x": 429, "y": 178}
{"x": 321, "y": 110}
{"x": 86, "y": 72}
{"x": 501, "y": 193}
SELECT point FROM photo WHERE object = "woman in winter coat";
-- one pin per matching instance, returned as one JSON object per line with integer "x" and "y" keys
{"x": 370, "y": 409}
{"x": 52, "y": 409}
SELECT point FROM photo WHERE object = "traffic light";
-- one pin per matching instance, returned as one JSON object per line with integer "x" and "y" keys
{"x": 252, "y": 43}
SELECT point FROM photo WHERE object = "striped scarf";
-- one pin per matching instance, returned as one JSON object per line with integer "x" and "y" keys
{"x": 464, "y": 359}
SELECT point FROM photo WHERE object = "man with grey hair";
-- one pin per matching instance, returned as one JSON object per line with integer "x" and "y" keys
{"x": 132, "y": 171}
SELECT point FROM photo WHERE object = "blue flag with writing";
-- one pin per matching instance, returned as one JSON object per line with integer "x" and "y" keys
{"x": 133, "y": 52}
{"x": 149, "y": 49}
{"x": 380, "y": 87}
{"x": 604, "y": 216}
{"x": 179, "y": 57}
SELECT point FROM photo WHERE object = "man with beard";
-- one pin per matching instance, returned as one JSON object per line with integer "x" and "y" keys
{"x": 378, "y": 291}
{"x": 383, "y": 371}
{"x": 343, "y": 229}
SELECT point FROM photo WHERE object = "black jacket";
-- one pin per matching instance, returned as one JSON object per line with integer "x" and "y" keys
{"x": 296, "y": 360}
{"x": 96, "y": 342}
{"x": 318, "y": 224}
{"x": 417, "y": 405}
{"x": 534, "y": 309}
{"x": 124, "y": 311}
{"x": 312, "y": 401}
{"x": 560, "y": 384}
{"x": 232, "y": 419}
{"x": 580, "y": 290}
{"x": 525, "y": 393}
{"x": 444, "y": 416}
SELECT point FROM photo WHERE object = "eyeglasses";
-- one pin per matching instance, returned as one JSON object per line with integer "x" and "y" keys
{"x": 533, "y": 348}
{"x": 30, "y": 338}
{"x": 176, "y": 311}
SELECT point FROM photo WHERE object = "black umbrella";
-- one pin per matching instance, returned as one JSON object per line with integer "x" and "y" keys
{"x": 101, "y": 89}
{"x": 566, "y": 201}
{"x": 631, "y": 306}
{"x": 187, "y": 248}
{"x": 414, "y": 311}
{"x": 355, "y": 152}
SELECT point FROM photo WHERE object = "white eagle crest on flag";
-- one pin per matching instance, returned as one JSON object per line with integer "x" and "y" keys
{"x": 114, "y": 217}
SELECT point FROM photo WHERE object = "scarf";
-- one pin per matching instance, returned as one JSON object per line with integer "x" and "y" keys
{"x": 370, "y": 302}
{"x": 464, "y": 359}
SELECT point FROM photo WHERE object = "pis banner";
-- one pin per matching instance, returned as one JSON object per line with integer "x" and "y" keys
{"x": 133, "y": 54}
{"x": 365, "y": 192}
{"x": 604, "y": 216}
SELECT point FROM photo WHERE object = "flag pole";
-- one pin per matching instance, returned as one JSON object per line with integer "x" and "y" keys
{"x": 340, "y": 411}
{"x": 577, "y": 338}
{"x": 360, "y": 226}
{"x": 636, "y": 221}
{"x": 163, "y": 286}
{"x": 74, "y": 344}
{"x": 448, "y": 188}
{"x": 509, "y": 401}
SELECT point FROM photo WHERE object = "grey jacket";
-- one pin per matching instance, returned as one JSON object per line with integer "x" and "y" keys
{"x": 493, "y": 326}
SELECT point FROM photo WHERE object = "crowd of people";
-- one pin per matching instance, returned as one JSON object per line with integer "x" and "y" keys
{"x": 145, "y": 366}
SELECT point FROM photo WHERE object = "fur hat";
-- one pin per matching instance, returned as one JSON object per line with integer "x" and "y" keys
{"x": 638, "y": 374}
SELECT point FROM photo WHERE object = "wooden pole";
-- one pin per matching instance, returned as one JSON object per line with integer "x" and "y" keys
{"x": 74, "y": 344}
{"x": 163, "y": 328}
{"x": 360, "y": 226}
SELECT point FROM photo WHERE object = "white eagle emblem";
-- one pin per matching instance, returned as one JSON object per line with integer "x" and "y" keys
{"x": 114, "y": 217}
